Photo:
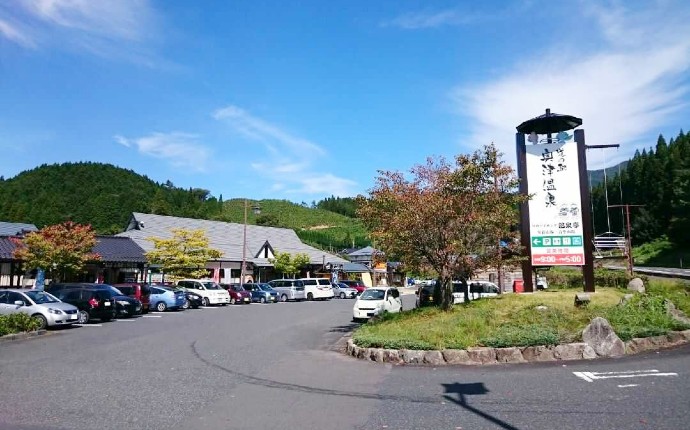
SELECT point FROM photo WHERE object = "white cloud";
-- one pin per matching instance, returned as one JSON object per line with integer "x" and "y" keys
{"x": 420, "y": 20}
{"x": 109, "y": 28}
{"x": 258, "y": 129}
{"x": 625, "y": 92}
{"x": 180, "y": 149}
{"x": 289, "y": 160}
{"x": 11, "y": 32}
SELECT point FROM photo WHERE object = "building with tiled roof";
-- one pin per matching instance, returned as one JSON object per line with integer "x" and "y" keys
{"x": 15, "y": 228}
{"x": 261, "y": 244}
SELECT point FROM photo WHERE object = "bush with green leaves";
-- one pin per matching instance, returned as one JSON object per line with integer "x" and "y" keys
{"x": 572, "y": 278}
{"x": 642, "y": 316}
{"x": 17, "y": 323}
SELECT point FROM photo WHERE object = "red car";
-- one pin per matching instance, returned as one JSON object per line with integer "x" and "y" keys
{"x": 357, "y": 285}
{"x": 238, "y": 294}
{"x": 141, "y": 292}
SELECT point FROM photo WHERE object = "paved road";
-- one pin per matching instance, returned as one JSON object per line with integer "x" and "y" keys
{"x": 277, "y": 367}
{"x": 667, "y": 272}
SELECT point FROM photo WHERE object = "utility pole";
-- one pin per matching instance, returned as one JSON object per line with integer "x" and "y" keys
{"x": 628, "y": 242}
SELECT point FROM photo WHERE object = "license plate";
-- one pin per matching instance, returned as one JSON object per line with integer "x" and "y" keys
{"x": 106, "y": 304}
{"x": 246, "y": 299}
{"x": 73, "y": 317}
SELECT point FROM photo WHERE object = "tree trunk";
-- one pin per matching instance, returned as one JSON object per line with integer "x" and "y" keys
{"x": 465, "y": 290}
{"x": 446, "y": 287}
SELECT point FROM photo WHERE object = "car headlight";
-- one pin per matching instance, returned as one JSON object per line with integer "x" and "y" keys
{"x": 122, "y": 302}
{"x": 54, "y": 311}
{"x": 194, "y": 297}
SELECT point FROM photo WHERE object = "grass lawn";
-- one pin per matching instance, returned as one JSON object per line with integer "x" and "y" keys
{"x": 514, "y": 320}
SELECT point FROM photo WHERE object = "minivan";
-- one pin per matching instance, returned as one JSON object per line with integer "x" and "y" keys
{"x": 288, "y": 289}
{"x": 212, "y": 292}
{"x": 91, "y": 302}
{"x": 141, "y": 292}
{"x": 317, "y": 288}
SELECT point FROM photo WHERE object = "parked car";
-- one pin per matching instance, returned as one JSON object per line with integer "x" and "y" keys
{"x": 125, "y": 306}
{"x": 376, "y": 301}
{"x": 212, "y": 292}
{"x": 357, "y": 285}
{"x": 425, "y": 295}
{"x": 343, "y": 291}
{"x": 262, "y": 293}
{"x": 238, "y": 294}
{"x": 477, "y": 290}
{"x": 91, "y": 302}
{"x": 47, "y": 309}
{"x": 137, "y": 291}
{"x": 192, "y": 299}
{"x": 541, "y": 283}
{"x": 164, "y": 298}
{"x": 289, "y": 289}
{"x": 317, "y": 288}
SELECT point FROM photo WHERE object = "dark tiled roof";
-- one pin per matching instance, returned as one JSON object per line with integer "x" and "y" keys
{"x": 6, "y": 248}
{"x": 119, "y": 249}
{"x": 15, "y": 228}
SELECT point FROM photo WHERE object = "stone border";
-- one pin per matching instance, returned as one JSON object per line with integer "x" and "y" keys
{"x": 481, "y": 355}
{"x": 22, "y": 335}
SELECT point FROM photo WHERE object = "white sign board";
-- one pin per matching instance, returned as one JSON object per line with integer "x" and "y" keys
{"x": 555, "y": 212}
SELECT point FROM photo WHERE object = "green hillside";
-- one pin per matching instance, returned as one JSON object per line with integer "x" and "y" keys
{"x": 104, "y": 196}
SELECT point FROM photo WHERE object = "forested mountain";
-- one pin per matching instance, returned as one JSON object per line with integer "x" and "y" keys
{"x": 596, "y": 177}
{"x": 657, "y": 179}
{"x": 104, "y": 196}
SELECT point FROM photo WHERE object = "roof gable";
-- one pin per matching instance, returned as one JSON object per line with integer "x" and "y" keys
{"x": 15, "y": 228}
{"x": 119, "y": 249}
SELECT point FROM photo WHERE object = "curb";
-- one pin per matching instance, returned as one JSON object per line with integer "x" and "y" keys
{"x": 23, "y": 335}
{"x": 487, "y": 356}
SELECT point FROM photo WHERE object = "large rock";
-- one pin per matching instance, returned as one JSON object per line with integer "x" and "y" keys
{"x": 600, "y": 336}
{"x": 482, "y": 355}
{"x": 376, "y": 354}
{"x": 435, "y": 358}
{"x": 391, "y": 356}
{"x": 538, "y": 353}
{"x": 574, "y": 351}
{"x": 676, "y": 313}
{"x": 636, "y": 285}
{"x": 509, "y": 355}
{"x": 456, "y": 356}
{"x": 410, "y": 356}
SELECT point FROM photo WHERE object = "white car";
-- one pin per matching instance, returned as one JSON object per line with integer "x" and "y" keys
{"x": 211, "y": 292}
{"x": 317, "y": 288}
{"x": 376, "y": 301}
{"x": 44, "y": 307}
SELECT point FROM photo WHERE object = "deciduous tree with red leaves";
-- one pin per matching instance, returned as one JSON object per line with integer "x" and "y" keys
{"x": 449, "y": 218}
{"x": 60, "y": 250}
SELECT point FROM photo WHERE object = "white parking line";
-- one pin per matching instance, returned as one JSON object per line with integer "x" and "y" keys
{"x": 125, "y": 320}
{"x": 591, "y": 376}
{"x": 628, "y": 385}
{"x": 151, "y": 316}
{"x": 88, "y": 325}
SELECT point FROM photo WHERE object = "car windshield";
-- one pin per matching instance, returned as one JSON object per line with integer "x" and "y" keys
{"x": 40, "y": 297}
{"x": 237, "y": 288}
{"x": 265, "y": 287}
{"x": 373, "y": 294}
{"x": 212, "y": 286}
{"x": 126, "y": 290}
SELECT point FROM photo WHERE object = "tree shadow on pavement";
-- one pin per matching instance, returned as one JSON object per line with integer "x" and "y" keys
{"x": 346, "y": 328}
{"x": 472, "y": 389}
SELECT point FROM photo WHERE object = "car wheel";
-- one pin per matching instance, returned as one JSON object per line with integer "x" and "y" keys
{"x": 207, "y": 302}
{"x": 42, "y": 321}
{"x": 233, "y": 301}
{"x": 161, "y": 307}
{"x": 83, "y": 317}
{"x": 186, "y": 304}
{"x": 342, "y": 295}
{"x": 310, "y": 296}
{"x": 262, "y": 300}
{"x": 283, "y": 298}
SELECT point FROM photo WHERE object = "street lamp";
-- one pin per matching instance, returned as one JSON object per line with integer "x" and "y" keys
{"x": 256, "y": 210}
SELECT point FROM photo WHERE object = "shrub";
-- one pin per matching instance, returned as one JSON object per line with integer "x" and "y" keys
{"x": 529, "y": 335}
{"x": 17, "y": 323}
{"x": 642, "y": 316}
{"x": 569, "y": 278}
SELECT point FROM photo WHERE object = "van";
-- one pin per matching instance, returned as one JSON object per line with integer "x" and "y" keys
{"x": 317, "y": 288}
{"x": 141, "y": 292}
{"x": 289, "y": 289}
{"x": 211, "y": 292}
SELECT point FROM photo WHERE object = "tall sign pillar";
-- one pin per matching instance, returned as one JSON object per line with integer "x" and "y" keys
{"x": 555, "y": 222}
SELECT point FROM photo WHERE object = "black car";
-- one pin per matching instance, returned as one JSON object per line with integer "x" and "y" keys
{"x": 124, "y": 306}
{"x": 193, "y": 300}
{"x": 92, "y": 303}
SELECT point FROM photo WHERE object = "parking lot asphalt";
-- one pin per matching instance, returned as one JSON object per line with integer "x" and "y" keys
{"x": 276, "y": 366}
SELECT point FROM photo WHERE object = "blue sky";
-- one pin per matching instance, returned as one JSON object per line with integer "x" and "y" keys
{"x": 300, "y": 100}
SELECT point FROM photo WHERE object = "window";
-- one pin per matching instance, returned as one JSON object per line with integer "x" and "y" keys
{"x": 3, "y": 296}
{"x": 72, "y": 295}
{"x": 395, "y": 294}
{"x": 16, "y": 297}
{"x": 310, "y": 282}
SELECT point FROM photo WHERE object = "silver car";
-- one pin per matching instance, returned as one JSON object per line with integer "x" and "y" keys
{"x": 45, "y": 307}
{"x": 343, "y": 291}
